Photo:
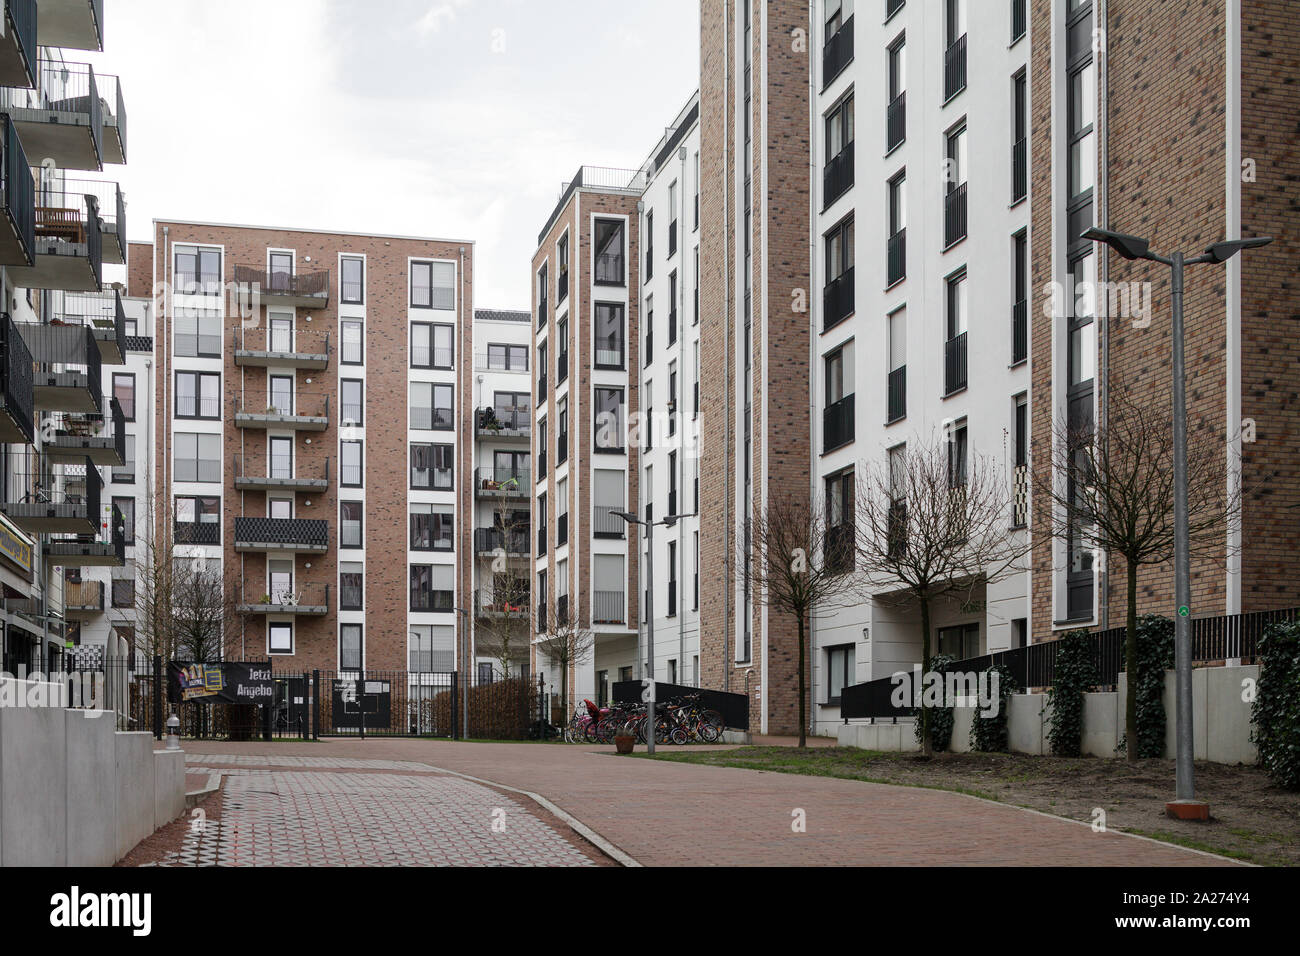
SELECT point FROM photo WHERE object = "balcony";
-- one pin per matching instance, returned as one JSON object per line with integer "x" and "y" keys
{"x": 487, "y": 541}
{"x": 281, "y": 348}
{"x": 490, "y": 606}
{"x": 896, "y": 258}
{"x": 18, "y": 45}
{"x": 110, "y": 206}
{"x": 51, "y": 506}
{"x": 609, "y": 607}
{"x": 837, "y": 300}
{"x": 196, "y": 532}
{"x": 896, "y": 122}
{"x": 69, "y": 248}
{"x": 74, "y": 24}
{"x": 62, "y": 119}
{"x": 896, "y": 400}
{"x": 838, "y": 422}
{"x": 17, "y": 405}
{"x": 837, "y": 178}
{"x": 277, "y": 473}
{"x": 105, "y": 548}
{"x": 103, "y": 314}
{"x": 837, "y": 53}
{"x": 605, "y": 523}
{"x": 110, "y": 89}
{"x": 18, "y": 195}
{"x": 954, "y": 216}
{"x": 1019, "y": 332}
{"x": 515, "y": 483}
{"x": 515, "y": 423}
{"x": 954, "y": 68}
{"x": 311, "y": 600}
{"x": 70, "y": 368}
{"x": 281, "y": 534}
{"x": 83, "y": 598}
{"x": 954, "y": 364}
{"x": 308, "y": 290}
{"x": 74, "y": 438}
{"x": 302, "y": 413}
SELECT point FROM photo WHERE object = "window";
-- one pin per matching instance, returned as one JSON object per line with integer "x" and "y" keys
{"x": 954, "y": 61}
{"x": 126, "y": 506}
{"x": 672, "y": 221}
{"x": 350, "y": 464}
{"x": 432, "y": 587}
{"x": 839, "y": 250}
{"x": 511, "y": 358}
{"x": 351, "y": 647}
{"x": 955, "y": 344}
{"x": 649, "y": 323}
{"x": 672, "y": 585}
{"x": 672, "y": 483}
{"x": 541, "y": 448}
{"x": 124, "y": 392}
{"x": 607, "y": 492}
{"x": 351, "y": 394}
{"x": 609, "y": 252}
{"x": 350, "y": 530}
{"x": 279, "y": 508}
{"x": 432, "y": 346}
{"x": 352, "y": 280}
{"x": 1019, "y": 298}
{"x": 954, "y": 208}
{"x": 1019, "y": 632}
{"x": 198, "y": 520}
{"x": 431, "y": 406}
{"x": 281, "y": 395}
{"x": 197, "y": 332}
{"x": 697, "y": 595}
{"x": 672, "y": 398}
{"x": 896, "y": 248}
{"x": 123, "y": 592}
{"x": 562, "y": 350}
{"x": 896, "y": 398}
{"x": 838, "y": 174}
{"x": 541, "y": 524}
{"x": 432, "y": 648}
{"x": 352, "y": 590}
{"x": 609, "y": 335}
{"x": 838, "y": 294}
{"x": 198, "y": 271}
{"x": 649, "y": 245}
{"x": 562, "y": 268}
{"x": 837, "y": 11}
{"x": 508, "y": 465}
{"x": 839, "y": 556}
{"x": 124, "y": 474}
{"x": 543, "y": 287}
{"x": 1020, "y": 459}
{"x": 839, "y": 671}
{"x": 279, "y": 638}
{"x": 433, "y": 285}
{"x": 962, "y": 641}
{"x": 280, "y": 581}
{"x": 198, "y": 395}
{"x": 1019, "y": 137}
{"x": 431, "y": 527}
{"x": 512, "y": 409}
{"x": 896, "y": 92}
{"x": 609, "y": 589}
{"x": 562, "y": 512}
{"x": 957, "y": 455}
{"x": 281, "y": 337}
{"x": 839, "y": 420}
{"x": 431, "y": 466}
{"x": 697, "y": 199}
{"x": 672, "y": 307}
{"x": 609, "y": 420}
{"x": 562, "y": 432}
{"x": 280, "y": 453}
{"x": 281, "y": 270}
{"x": 353, "y": 349}
{"x": 696, "y": 319}
{"x": 198, "y": 457}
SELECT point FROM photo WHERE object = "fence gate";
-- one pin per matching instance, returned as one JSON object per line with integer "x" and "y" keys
{"x": 386, "y": 704}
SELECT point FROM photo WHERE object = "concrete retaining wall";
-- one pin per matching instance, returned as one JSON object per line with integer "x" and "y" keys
{"x": 75, "y": 792}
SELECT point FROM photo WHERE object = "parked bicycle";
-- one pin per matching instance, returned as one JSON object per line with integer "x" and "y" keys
{"x": 681, "y": 720}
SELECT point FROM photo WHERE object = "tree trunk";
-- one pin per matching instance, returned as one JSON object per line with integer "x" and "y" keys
{"x": 927, "y": 747}
{"x": 1131, "y": 662}
{"x": 803, "y": 684}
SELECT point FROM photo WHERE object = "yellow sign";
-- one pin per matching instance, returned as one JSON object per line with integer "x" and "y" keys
{"x": 15, "y": 546}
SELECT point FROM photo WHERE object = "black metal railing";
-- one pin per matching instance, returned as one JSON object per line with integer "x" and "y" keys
{"x": 561, "y": 367}
{"x": 19, "y": 189}
{"x": 837, "y": 178}
{"x": 71, "y": 347}
{"x": 310, "y": 532}
{"x": 561, "y": 449}
{"x": 954, "y": 215}
{"x": 542, "y": 312}
{"x": 119, "y": 113}
{"x": 1019, "y": 170}
{"x": 837, "y": 53}
{"x": 1020, "y": 496}
{"x": 954, "y": 364}
{"x": 838, "y": 421}
{"x": 64, "y": 87}
{"x": 838, "y": 299}
{"x": 954, "y": 68}
{"x": 896, "y": 404}
{"x": 500, "y": 419}
{"x": 21, "y": 17}
{"x": 605, "y": 523}
{"x": 1019, "y": 332}
{"x": 672, "y": 238}
{"x": 16, "y": 387}
{"x": 896, "y": 529}
{"x": 609, "y": 268}
{"x": 511, "y": 541}
{"x": 1019, "y": 20}
{"x": 561, "y": 530}
{"x": 607, "y": 607}
{"x": 505, "y": 479}
{"x": 896, "y": 257}
{"x": 561, "y": 287}
{"x": 295, "y": 594}
{"x": 896, "y": 121}
{"x": 108, "y": 541}
{"x": 196, "y": 532}
{"x": 305, "y": 284}
{"x": 892, "y": 7}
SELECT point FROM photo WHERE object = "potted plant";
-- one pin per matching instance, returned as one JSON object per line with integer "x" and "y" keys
{"x": 624, "y": 743}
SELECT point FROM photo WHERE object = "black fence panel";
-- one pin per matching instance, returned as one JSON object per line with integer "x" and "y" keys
{"x": 734, "y": 708}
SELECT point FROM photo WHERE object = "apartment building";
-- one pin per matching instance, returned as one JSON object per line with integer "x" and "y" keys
{"x": 920, "y": 261}
{"x": 62, "y": 232}
{"x": 318, "y": 412}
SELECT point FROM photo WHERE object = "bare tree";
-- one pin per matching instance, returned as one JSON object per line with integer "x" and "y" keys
{"x": 565, "y": 642}
{"x": 1111, "y": 490}
{"x": 934, "y": 522}
{"x": 503, "y": 616}
{"x": 803, "y": 558}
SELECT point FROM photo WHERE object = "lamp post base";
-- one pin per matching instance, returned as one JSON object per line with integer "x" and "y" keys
{"x": 1188, "y": 810}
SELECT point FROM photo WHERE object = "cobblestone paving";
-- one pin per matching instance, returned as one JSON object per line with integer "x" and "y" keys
{"x": 332, "y": 817}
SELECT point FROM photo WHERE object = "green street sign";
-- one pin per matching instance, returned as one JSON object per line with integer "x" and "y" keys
{"x": 1184, "y": 610}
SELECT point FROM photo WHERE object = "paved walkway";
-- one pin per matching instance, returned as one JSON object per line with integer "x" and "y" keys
{"x": 672, "y": 814}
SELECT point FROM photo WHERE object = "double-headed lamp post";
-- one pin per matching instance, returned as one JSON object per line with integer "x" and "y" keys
{"x": 667, "y": 521}
{"x": 1185, "y": 805}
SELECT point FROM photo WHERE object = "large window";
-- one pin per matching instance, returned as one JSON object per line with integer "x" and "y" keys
{"x": 281, "y": 394}
{"x": 353, "y": 349}
{"x": 350, "y": 530}
{"x": 124, "y": 392}
{"x": 838, "y": 175}
{"x": 431, "y": 528}
{"x": 955, "y": 347}
{"x": 839, "y": 548}
{"x": 839, "y": 671}
{"x": 961, "y": 641}
{"x": 839, "y": 250}
{"x": 127, "y": 507}
{"x": 353, "y": 280}
{"x": 123, "y": 592}
{"x": 198, "y": 519}
{"x": 352, "y": 590}
{"x": 432, "y": 587}
{"x": 609, "y": 335}
{"x": 511, "y": 358}
{"x": 198, "y": 457}
{"x": 431, "y": 466}
{"x": 609, "y": 420}
{"x": 351, "y": 647}
{"x": 431, "y": 406}
{"x": 279, "y": 638}
{"x": 609, "y": 251}
{"x": 351, "y": 470}
{"x": 198, "y": 270}
{"x": 433, "y": 285}
{"x": 512, "y": 409}
{"x": 280, "y": 453}
{"x": 198, "y": 395}
{"x": 432, "y": 346}
{"x": 198, "y": 332}
{"x": 352, "y": 399}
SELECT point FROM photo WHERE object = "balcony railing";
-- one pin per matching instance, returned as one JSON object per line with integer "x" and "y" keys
{"x": 605, "y": 523}
{"x": 306, "y": 599}
{"x": 110, "y": 88}
{"x": 307, "y": 290}
{"x": 954, "y": 364}
{"x": 280, "y": 347}
{"x": 672, "y": 238}
{"x": 1019, "y": 170}
{"x": 499, "y": 606}
{"x": 105, "y": 548}
{"x": 62, "y": 118}
{"x": 561, "y": 368}
{"x": 896, "y": 529}
{"x": 837, "y": 178}
{"x": 608, "y": 607}
{"x": 543, "y": 311}
{"x": 1019, "y": 332}
{"x": 82, "y": 597}
{"x": 493, "y": 482}
{"x": 18, "y": 49}
{"x": 490, "y": 540}
{"x": 71, "y": 369}
{"x": 68, "y": 245}
{"x": 18, "y": 192}
{"x": 300, "y": 412}
{"x": 561, "y": 287}
{"x": 954, "y": 68}
{"x": 1020, "y": 497}
{"x": 281, "y": 534}
{"x": 1019, "y": 20}
{"x": 503, "y": 423}
{"x": 896, "y": 257}
{"x": 837, "y": 299}
{"x": 609, "y": 269}
{"x": 102, "y": 439}
{"x": 561, "y": 530}
{"x": 838, "y": 52}
{"x": 838, "y": 422}
{"x": 954, "y": 215}
{"x": 562, "y": 607}
{"x": 196, "y": 532}
{"x": 897, "y": 397}
{"x": 110, "y": 206}
{"x": 896, "y": 121}
{"x": 561, "y": 449}
{"x": 105, "y": 316}
{"x": 46, "y": 505}
{"x": 278, "y": 473}
{"x": 17, "y": 404}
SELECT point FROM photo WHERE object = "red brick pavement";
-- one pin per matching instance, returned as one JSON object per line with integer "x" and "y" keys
{"x": 672, "y": 814}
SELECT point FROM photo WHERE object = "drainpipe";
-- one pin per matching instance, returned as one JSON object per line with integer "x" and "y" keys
{"x": 678, "y": 402}
{"x": 1103, "y": 216}
{"x": 813, "y": 34}
{"x": 728, "y": 118}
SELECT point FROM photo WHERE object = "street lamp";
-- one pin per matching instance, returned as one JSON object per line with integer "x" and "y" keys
{"x": 667, "y": 521}
{"x": 1185, "y": 805}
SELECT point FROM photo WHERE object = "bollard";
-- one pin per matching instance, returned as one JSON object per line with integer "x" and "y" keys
{"x": 173, "y": 732}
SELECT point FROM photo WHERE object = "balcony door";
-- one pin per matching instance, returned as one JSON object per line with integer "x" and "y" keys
{"x": 281, "y": 272}
{"x": 281, "y": 334}
{"x": 280, "y": 581}
{"x": 282, "y": 394}
{"x": 281, "y": 454}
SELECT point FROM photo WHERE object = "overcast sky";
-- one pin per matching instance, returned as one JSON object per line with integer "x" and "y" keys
{"x": 456, "y": 119}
